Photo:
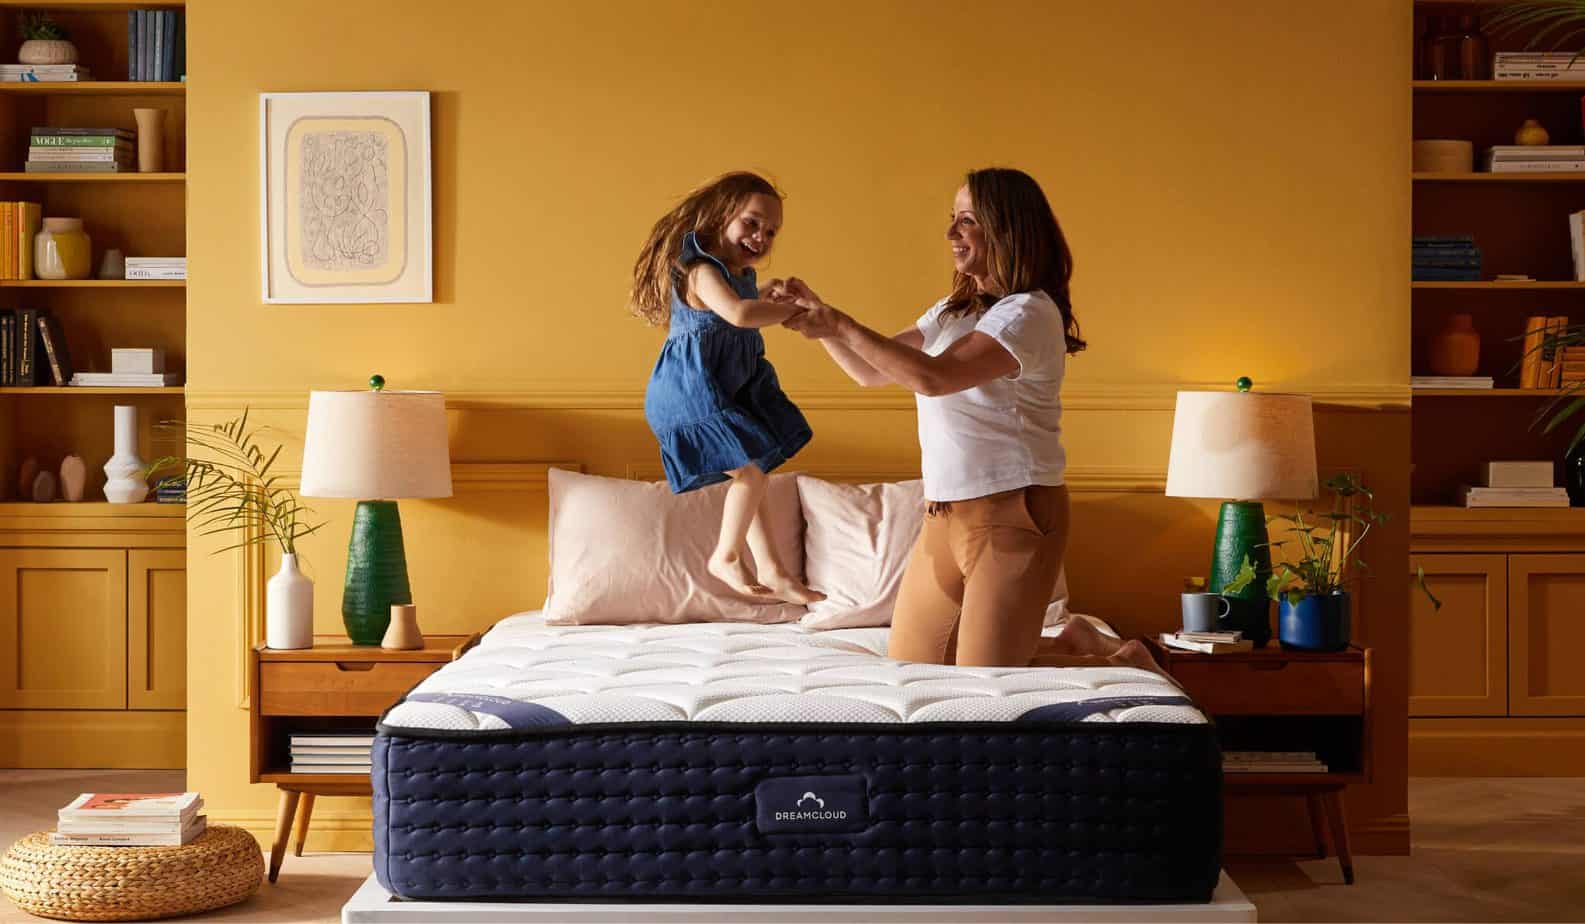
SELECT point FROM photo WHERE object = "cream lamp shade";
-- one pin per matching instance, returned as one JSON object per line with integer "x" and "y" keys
{"x": 376, "y": 445}
{"x": 1238, "y": 445}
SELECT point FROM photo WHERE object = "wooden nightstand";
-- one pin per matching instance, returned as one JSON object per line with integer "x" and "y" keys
{"x": 333, "y": 686}
{"x": 1271, "y": 699}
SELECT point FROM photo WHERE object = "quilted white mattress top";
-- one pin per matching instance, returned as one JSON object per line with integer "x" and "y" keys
{"x": 526, "y": 675}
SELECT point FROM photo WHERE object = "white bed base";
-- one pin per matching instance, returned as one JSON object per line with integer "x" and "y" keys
{"x": 371, "y": 904}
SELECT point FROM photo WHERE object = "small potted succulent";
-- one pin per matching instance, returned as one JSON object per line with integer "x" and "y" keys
{"x": 1311, "y": 585}
{"x": 45, "y": 42}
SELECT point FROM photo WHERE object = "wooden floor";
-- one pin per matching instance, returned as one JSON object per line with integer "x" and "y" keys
{"x": 1484, "y": 850}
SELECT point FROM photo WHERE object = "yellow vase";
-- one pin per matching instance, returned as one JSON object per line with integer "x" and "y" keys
{"x": 62, "y": 250}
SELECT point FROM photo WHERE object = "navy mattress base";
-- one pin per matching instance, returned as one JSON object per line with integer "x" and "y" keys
{"x": 985, "y": 812}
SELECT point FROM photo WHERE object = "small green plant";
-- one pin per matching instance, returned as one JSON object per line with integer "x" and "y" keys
{"x": 231, "y": 486}
{"x": 39, "y": 27}
{"x": 1326, "y": 545}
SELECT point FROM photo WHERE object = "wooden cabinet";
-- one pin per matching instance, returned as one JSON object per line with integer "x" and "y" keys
{"x": 156, "y": 629}
{"x": 63, "y": 625}
{"x": 1546, "y": 631}
{"x": 1458, "y": 662}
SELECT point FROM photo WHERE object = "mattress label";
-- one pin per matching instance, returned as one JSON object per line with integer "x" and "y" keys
{"x": 811, "y": 805}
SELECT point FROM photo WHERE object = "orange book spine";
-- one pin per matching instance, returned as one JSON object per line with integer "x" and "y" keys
{"x": 1530, "y": 365}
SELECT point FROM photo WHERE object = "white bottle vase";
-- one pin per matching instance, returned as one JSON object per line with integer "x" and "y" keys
{"x": 126, "y": 482}
{"x": 289, "y": 608}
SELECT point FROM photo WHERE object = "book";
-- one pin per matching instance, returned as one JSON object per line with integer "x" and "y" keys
{"x": 34, "y": 166}
{"x": 1576, "y": 235}
{"x": 32, "y": 222}
{"x": 123, "y": 134}
{"x": 8, "y": 229}
{"x": 137, "y": 361}
{"x": 311, "y": 751}
{"x": 1445, "y": 274}
{"x": 167, "y": 52}
{"x": 1470, "y": 496}
{"x": 157, "y": 41}
{"x": 337, "y": 739}
{"x": 132, "y": 273}
{"x": 1535, "y": 328}
{"x": 1550, "y": 370}
{"x": 179, "y": 71}
{"x": 1177, "y": 640}
{"x": 1451, "y": 381}
{"x": 1517, "y": 475}
{"x": 300, "y": 758}
{"x": 142, "y": 45}
{"x": 56, "y": 356}
{"x": 26, "y": 342}
{"x": 1538, "y": 166}
{"x": 171, "y": 825}
{"x": 186, "y": 835}
{"x": 156, "y": 261}
{"x": 330, "y": 768}
{"x": 146, "y": 50}
{"x": 123, "y": 805}
{"x": 79, "y": 155}
{"x": 132, "y": 45}
{"x": 111, "y": 380}
{"x": 8, "y": 320}
{"x": 80, "y": 141}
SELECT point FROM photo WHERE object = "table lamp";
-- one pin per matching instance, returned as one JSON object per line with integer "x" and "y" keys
{"x": 375, "y": 446}
{"x": 1242, "y": 447}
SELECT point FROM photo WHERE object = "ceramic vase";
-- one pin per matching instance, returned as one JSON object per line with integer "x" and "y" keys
{"x": 1455, "y": 349}
{"x": 47, "y": 51}
{"x": 402, "y": 634}
{"x": 126, "y": 483}
{"x": 62, "y": 250}
{"x": 289, "y": 608}
{"x": 151, "y": 139}
{"x": 1531, "y": 132}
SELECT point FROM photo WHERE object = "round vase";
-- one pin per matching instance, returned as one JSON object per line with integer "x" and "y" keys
{"x": 289, "y": 608}
{"x": 1531, "y": 132}
{"x": 62, "y": 250}
{"x": 1574, "y": 476}
{"x": 47, "y": 51}
{"x": 151, "y": 139}
{"x": 1455, "y": 349}
{"x": 1315, "y": 623}
{"x": 125, "y": 482}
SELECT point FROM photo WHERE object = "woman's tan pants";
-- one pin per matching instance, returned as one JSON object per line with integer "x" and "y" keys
{"x": 980, "y": 577}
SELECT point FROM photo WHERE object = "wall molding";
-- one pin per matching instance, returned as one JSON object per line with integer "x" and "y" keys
{"x": 1076, "y": 396}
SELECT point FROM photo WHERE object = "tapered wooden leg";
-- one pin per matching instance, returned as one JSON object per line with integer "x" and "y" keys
{"x": 304, "y": 812}
{"x": 1317, "y": 823}
{"x": 1339, "y": 827}
{"x": 283, "y": 829}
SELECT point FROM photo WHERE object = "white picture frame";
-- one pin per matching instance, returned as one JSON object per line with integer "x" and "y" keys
{"x": 345, "y": 198}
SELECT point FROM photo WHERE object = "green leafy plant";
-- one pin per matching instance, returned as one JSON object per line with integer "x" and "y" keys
{"x": 1569, "y": 402}
{"x": 1557, "y": 21}
{"x": 38, "y": 27}
{"x": 1326, "y": 546}
{"x": 231, "y": 485}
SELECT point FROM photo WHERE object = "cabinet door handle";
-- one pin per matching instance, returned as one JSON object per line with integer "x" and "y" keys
{"x": 354, "y": 665}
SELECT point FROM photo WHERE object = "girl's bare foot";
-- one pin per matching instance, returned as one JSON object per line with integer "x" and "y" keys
{"x": 790, "y": 589}
{"x": 734, "y": 572}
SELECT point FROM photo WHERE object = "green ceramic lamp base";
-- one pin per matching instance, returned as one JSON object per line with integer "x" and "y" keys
{"x": 376, "y": 572}
{"x": 1240, "y": 532}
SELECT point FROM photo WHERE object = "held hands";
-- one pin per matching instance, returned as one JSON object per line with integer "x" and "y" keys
{"x": 816, "y": 320}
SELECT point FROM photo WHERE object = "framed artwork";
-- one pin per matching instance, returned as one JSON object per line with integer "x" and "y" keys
{"x": 344, "y": 189}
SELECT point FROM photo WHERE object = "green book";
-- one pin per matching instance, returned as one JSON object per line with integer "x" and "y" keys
{"x": 77, "y": 141}
{"x": 78, "y": 166}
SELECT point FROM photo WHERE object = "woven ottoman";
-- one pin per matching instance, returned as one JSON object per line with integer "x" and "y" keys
{"x": 221, "y": 867}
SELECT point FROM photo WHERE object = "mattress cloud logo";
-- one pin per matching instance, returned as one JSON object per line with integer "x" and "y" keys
{"x": 811, "y": 807}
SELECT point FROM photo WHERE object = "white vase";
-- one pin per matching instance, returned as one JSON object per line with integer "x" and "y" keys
{"x": 289, "y": 608}
{"x": 126, "y": 482}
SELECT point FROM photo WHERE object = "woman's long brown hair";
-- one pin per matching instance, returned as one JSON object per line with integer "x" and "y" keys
{"x": 706, "y": 211}
{"x": 1025, "y": 247}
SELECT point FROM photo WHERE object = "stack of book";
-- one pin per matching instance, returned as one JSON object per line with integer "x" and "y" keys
{"x": 1571, "y": 367}
{"x": 19, "y": 222}
{"x": 1539, "y": 365}
{"x": 1472, "y": 382}
{"x": 1272, "y": 762}
{"x": 129, "y": 380}
{"x": 1445, "y": 258}
{"x": 1515, "y": 484}
{"x": 43, "y": 73}
{"x": 1536, "y": 158}
{"x": 1207, "y": 642}
{"x": 156, "y": 267}
{"x": 109, "y": 819}
{"x": 1576, "y": 239}
{"x": 1538, "y": 65}
{"x": 156, "y": 45}
{"x": 32, "y": 349}
{"x": 81, "y": 150}
{"x": 331, "y": 752}
{"x": 171, "y": 491}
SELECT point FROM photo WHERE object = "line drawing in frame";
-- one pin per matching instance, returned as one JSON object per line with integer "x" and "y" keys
{"x": 345, "y": 198}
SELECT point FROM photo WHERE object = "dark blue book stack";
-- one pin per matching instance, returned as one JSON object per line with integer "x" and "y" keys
{"x": 1446, "y": 258}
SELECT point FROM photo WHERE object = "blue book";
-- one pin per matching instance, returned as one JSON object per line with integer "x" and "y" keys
{"x": 143, "y": 42}
{"x": 1444, "y": 274}
{"x": 179, "y": 70}
{"x": 168, "y": 45}
{"x": 132, "y": 45}
{"x": 156, "y": 56}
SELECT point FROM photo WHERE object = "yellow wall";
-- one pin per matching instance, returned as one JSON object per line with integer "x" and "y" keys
{"x": 1231, "y": 176}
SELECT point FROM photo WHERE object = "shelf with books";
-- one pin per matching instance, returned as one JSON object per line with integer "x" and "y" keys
{"x": 93, "y": 283}
{"x": 1498, "y": 86}
{"x": 17, "y": 176}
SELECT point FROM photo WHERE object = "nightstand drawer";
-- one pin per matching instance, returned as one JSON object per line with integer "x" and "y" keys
{"x": 336, "y": 687}
{"x": 1268, "y": 687}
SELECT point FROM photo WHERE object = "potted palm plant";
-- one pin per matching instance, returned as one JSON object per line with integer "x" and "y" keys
{"x": 1310, "y": 582}
{"x": 233, "y": 489}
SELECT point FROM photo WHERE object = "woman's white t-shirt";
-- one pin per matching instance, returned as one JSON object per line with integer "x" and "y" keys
{"x": 1006, "y": 433}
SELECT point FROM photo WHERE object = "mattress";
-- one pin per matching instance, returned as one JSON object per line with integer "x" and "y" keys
{"x": 735, "y": 762}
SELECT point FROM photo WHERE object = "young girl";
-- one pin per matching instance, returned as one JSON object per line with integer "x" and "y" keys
{"x": 713, "y": 400}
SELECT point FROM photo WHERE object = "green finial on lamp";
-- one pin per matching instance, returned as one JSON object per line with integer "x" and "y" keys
{"x": 377, "y": 382}
{"x": 1244, "y": 383}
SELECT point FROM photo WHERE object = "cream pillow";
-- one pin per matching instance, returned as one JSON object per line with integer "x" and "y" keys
{"x": 856, "y": 544}
{"x": 624, "y": 552}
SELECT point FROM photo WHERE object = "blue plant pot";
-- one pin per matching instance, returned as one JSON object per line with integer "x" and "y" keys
{"x": 1316, "y": 623}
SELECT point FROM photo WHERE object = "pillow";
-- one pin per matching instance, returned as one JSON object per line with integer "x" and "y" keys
{"x": 624, "y": 552}
{"x": 856, "y": 544}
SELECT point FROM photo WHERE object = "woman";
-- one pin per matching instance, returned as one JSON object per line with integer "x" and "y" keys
{"x": 986, "y": 363}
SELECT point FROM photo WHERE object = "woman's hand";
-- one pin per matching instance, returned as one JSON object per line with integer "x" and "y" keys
{"x": 817, "y": 320}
